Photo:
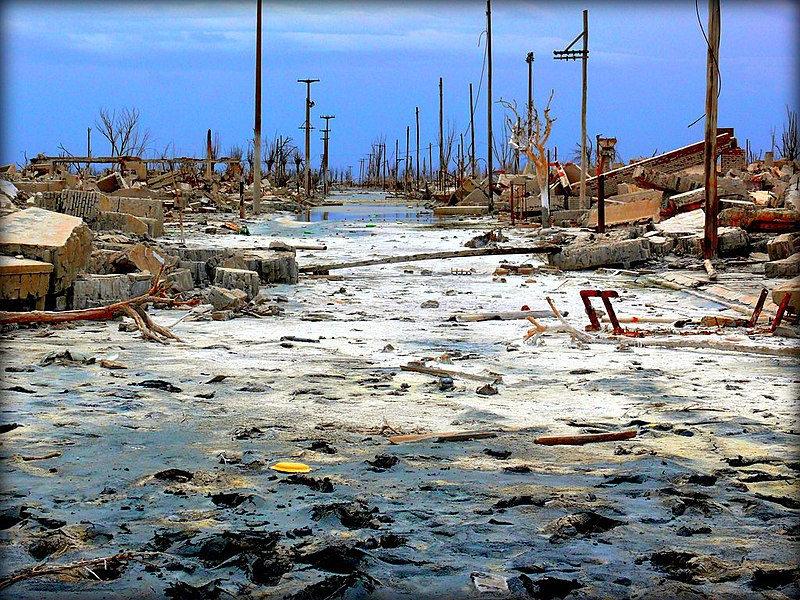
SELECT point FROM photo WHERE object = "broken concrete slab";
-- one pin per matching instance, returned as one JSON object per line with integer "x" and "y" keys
{"x": 121, "y": 222}
{"x": 226, "y": 299}
{"x": 24, "y": 282}
{"x": 629, "y": 212}
{"x": 180, "y": 280}
{"x": 272, "y": 266}
{"x": 781, "y": 290}
{"x": 784, "y": 268}
{"x": 783, "y": 246}
{"x": 758, "y": 218}
{"x": 599, "y": 254}
{"x": 91, "y": 291}
{"x": 237, "y": 279}
{"x": 651, "y": 178}
{"x": 62, "y": 240}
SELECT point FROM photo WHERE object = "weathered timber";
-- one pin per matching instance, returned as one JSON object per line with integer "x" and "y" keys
{"x": 589, "y": 438}
{"x": 546, "y": 249}
{"x": 450, "y": 373}
{"x": 501, "y": 316}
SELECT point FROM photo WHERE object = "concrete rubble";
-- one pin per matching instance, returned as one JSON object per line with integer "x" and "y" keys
{"x": 400, "y": 394}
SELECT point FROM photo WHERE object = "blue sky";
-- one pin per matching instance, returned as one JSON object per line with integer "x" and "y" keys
{"x": 188, "y": 66}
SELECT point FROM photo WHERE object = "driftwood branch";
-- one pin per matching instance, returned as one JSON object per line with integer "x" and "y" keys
{"x": 40, "y": 570}
{"x": 133, "y": 308}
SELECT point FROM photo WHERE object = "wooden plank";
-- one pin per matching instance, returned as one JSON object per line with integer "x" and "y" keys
{"x": 589, "y": 438}
{"x": 501, "y": 316}
{"x": 451, "y": 373}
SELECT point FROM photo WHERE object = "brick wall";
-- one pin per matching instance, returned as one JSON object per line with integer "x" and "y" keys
{"x": 733, "y": 158}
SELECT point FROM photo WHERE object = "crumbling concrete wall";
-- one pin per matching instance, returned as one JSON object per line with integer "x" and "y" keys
{"x": 90, "y": 291}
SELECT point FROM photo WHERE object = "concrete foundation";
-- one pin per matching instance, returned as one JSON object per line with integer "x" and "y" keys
{"x": 594, "y": 254}
{"x": 91, "y": 291}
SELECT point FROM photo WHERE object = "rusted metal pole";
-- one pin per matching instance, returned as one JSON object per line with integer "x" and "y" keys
{"x": 257, "y": 124}
{"x": 489, "y": 161}
{"x": 710, "y": 149}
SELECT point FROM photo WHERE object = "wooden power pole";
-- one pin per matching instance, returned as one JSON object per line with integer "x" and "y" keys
{"x": 257, "y": 125}
{"x": 568, "y": 54}
{"x": 325, "y": 139}
{"x": 489, "y": 99}
{"x": 308, "y": 127}
{"x": 710, "y": 147}
{"x": 472, "y": 134}
{"x": 416, "y": 110}
{"x": 441, "y": 136}
{"x": 529, "y": 59}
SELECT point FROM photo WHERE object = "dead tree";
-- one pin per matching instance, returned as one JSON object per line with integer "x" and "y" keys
{"x": 123, "y": 131}
{"x": 790, "y": 140}
{"x": 533, "y": 145}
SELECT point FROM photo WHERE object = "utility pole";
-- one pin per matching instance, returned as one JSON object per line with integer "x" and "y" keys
{"x": 361, "y": 172}
{"x": 489, "y": 97}
{"x": 405, "y": 173}
{"x": 208, "y": 154}
{"x": 325, "y": 139}
{"x": 710, "y": 147}
{"x": 472, "y": 134}
{"x": 430, "y": 159}
{"x": 308, "y": 129}
{"x": 257, "y": 125}
{"x": 441, "y": 136}
{"x": 385, "y": 159}
{"x": 568, "y": 54}
{"x": 417, "y": 112}
{"x": 529, "y": 59}
{"x": 396, "y": 162}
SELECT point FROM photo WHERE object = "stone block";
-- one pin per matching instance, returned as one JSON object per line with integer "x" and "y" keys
{"x": 783, "y": 246}
{"x": 90, "y": 291}
{"x": 34, "y": 187}
{"x": 668, "y": 182}
{"x": 593, "y": 254}
{"x": 150, "y": 208}
{"x": 629, "y": 211}
{"x": 197, "y": 268}
{"x": 784, "y": 268}
{"x": 272, "y": 266}
{"x": 23, "y": 282}
{"x": 732, "y": 241}
{"x": 780, "y": 290}
{"x": 118, "y": 221}
{"x": 225, "y": 299}
{"x": 180, "y": 280}
{"x": 61, "y": 240}
{"x": 237, "y": 279}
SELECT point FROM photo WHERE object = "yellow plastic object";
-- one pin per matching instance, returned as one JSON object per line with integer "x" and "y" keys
{"x": 291, "y": 467}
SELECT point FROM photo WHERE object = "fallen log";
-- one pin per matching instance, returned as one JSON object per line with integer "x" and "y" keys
{"x": 133, "y": 308}
{"x": 443, "y": 436}
{"x": 712, "y": 272}
{"x": 501, "y": 316}
{"x": 322, "y": 269}
{"x": 450, "y": 373}
{"x": 589, "y": 438}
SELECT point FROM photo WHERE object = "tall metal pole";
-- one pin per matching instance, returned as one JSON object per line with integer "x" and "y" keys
{"x": 308, "y": 128}
{"x": 472, "y": 134}
{"x": 361, "y": 172}
{"x": 489, "y": 98}
{"x": 441, "y": 136}
{"x": 529, "y": 59}
{"x": 710, "y": 147}
{"x": 257, "y": 125}
{"x": 208, "y": 154}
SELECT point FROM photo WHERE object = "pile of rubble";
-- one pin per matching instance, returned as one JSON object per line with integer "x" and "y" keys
{"x": 72, "y": 241}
